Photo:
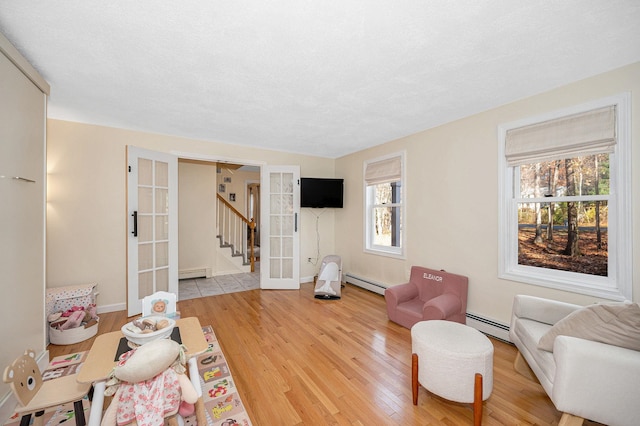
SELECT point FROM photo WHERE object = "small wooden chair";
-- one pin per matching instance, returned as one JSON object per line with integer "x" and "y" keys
{"x": 35, "y": 395}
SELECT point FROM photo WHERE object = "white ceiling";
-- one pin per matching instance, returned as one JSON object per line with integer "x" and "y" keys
{"x": 324, "y": 78}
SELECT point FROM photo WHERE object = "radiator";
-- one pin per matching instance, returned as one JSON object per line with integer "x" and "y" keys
{"x": 374, "y": 286}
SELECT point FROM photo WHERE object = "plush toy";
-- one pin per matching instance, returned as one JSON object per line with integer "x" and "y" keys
{"x": 149, "y": 384}
{"x": 91, "y": 312}
{"x": 74, "y": 317}
{"x": 73, "y": 321}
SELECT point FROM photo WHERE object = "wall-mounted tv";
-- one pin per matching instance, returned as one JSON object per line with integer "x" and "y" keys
{"x": 321, "y": 192}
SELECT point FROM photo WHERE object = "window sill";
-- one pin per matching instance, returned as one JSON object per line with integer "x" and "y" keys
{"x": 386, "y": 253}
{"x": 600, "y": 287}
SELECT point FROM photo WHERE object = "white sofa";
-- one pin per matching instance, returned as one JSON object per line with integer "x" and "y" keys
{"x": 585, "y": 379}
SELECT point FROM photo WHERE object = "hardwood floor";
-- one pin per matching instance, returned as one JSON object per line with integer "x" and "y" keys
{"x": 299, "y": 360}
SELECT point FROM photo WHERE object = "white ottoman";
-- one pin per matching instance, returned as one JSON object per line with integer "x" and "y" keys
{"x": 455, "y": 363}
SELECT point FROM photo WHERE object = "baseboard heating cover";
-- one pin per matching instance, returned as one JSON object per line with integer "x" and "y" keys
{"x": 488, "y": 326}
{"x": 366, "y": 283}
{"x": 194, "y": 273}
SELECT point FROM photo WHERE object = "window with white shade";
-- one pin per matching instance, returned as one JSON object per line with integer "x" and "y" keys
{"x": 384, "y": 205}
{"x": 565, "y": 199}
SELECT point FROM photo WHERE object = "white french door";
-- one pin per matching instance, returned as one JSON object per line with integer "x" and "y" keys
{"x": 279, "y": 217}
{"x": 152, "y": 206}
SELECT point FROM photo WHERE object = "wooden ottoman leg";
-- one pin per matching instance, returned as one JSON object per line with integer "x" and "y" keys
{"x": 477, "y": 400}
{"x": 414, "y": 377}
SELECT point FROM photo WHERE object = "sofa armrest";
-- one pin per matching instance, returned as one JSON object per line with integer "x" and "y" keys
{"x": 596, "y": 381}
{"x": 441, "y": 307}
{"x": 542, "y": 310}
{"x": 400, "y": 293}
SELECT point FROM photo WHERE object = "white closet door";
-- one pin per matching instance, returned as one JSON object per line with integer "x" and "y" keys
{"x": 22, "y": 214}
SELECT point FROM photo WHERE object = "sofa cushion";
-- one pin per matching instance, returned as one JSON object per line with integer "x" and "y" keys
{"x": 611, "y": 323}
{"x": 529, "y": 332}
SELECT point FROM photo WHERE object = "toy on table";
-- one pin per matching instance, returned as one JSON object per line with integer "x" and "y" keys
{"x": 156, "y": 373}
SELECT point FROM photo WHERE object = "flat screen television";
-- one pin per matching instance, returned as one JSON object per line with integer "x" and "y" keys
{"x": 321, "y": 192}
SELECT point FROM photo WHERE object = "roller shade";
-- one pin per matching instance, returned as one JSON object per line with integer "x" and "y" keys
{"x": 388, "y": 170}
{"x": 586, "y": 133}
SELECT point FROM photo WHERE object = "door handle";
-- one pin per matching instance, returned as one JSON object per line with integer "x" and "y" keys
{"x": 295, "y": 222}
{"x": 135, "y": 224}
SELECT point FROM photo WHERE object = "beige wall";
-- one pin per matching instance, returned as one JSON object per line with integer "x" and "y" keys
{"x": 238, "y": 186}
{"x": 196, "y": 215}
{"x": 452, "y": 205}
{"x": 86, "y": 223}
{"x": 450, "y": 169}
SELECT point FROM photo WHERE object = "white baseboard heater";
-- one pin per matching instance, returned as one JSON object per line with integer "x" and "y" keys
{"x": 194, "y": 273}
{"x": 366, "y": 283}
{"x": 485, "y": 325}
{"x": 488, "y": 326}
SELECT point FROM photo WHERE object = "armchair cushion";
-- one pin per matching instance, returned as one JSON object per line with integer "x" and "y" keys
{"x": 441, "y": 307}
{"x": 616, "y": 324}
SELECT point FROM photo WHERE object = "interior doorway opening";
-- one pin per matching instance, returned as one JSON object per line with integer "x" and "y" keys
{"x": 213, "y": 190}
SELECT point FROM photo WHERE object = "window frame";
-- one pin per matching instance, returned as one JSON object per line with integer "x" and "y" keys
{"x": 618, "y": 284}
{"x": 368, "y": 206}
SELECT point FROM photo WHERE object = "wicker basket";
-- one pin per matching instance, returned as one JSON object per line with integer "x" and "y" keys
{"x": 60, "y": 299}
{"x": 72, "y": 335}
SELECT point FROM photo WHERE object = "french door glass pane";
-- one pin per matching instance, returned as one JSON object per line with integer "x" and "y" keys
{"x": 287, "y": 225}
{"x": 145, "y": 200}
{"x": 275, "y": 268}
{"x": 162, "y": 227}
{"x": 162, "y": 279}
{"x": 145, "y": 284}
{"x": 287, "y": 247}
{"x": 145, "y": 172}
{"x": 287, "y": 268}
{"x": 275, "y": 246}
{"x": 145, "y": 228}
{"x": 275, "y": 222}
{"x": 276, "y": 203}
{"x": 275, "y": 183}
{"x": 162, "y": 174}
{"x": 162, "y": 255}
{"x": 287, "y": 203}
{"x": 145, "y": 256}
{"x": 162, "y": 201}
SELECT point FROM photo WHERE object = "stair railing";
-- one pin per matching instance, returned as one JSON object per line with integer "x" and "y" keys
{"x": 232, "y": 231}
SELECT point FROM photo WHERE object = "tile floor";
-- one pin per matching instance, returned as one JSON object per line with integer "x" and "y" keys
{"x": 198, "y": 287}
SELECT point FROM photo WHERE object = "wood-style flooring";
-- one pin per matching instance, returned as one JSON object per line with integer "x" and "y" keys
{"x": 298, "y": 360}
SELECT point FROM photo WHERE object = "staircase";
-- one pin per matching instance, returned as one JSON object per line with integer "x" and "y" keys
{"x": 236, "y": 233}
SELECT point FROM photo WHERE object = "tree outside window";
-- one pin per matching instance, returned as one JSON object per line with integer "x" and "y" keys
{"x": 384, "y": 211}
{"x": 563, "y": 214}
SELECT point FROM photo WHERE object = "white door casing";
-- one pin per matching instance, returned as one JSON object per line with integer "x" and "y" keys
{"x": 152, "y": 209}
{"x": 279, "y": 217}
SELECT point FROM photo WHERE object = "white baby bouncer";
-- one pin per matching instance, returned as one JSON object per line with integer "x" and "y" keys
{"x": 329, "y": 280}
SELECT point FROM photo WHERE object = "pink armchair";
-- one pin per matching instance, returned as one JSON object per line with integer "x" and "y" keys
{"x": 429, "y": 295}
